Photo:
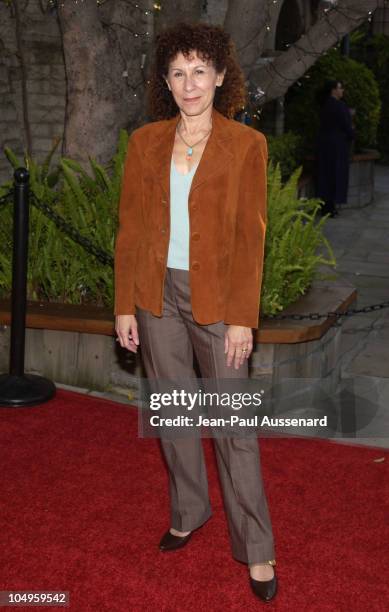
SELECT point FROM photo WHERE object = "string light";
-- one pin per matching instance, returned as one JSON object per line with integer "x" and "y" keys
{"x": 332, "y": 5}
{"x": 54, "y": 4}
{"x": 157, "y": 6}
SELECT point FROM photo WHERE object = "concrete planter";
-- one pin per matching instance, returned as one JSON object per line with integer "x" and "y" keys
{"x": 361, "y": 180}
{"x": 75, "y": 345}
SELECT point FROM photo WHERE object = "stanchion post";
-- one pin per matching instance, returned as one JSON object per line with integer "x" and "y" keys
{"x": 18, "y": 389}
{"x": 19, "y": 271}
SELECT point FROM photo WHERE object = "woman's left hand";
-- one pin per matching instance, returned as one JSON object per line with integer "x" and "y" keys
{"x": 238, "y": 344}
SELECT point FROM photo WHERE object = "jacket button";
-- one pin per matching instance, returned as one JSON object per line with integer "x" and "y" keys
{"x": 195, "y": 236}
{"x": 164, "y": 202}
{"x": 195, "y": 265}
{"x": 194, "y": 207}
{"x": 163, "y": 231}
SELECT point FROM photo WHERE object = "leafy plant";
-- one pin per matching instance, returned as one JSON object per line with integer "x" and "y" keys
{"x": 295, "y": 246}
{"x": 373, "y": 51}
{"x": 361, "y": 93}
{"x": 58, "y": 268}
{"x": 40, "y": 236}
{"x": 286, "y": 150}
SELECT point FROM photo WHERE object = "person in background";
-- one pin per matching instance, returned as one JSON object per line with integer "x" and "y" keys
{"x": 333, "y": 147}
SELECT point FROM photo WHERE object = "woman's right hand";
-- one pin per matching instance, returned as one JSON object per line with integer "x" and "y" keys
{"x": 126, "y": 328}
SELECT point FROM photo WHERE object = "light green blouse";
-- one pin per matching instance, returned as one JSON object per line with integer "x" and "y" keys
{"x": 178, "y": 254}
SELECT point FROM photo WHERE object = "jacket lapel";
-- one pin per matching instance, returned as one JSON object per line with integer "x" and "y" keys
{"x": 216, "y": 155}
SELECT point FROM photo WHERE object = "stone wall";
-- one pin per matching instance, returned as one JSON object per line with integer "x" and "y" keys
{"x": 46, "y": 89}
{"x": 361, "y": 181}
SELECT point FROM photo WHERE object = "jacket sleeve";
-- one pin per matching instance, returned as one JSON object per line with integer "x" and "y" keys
{"x": 245, "y": 272}
{"x": 129, "y": 232}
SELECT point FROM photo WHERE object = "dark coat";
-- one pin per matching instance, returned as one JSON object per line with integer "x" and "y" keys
{"x": 333, "y": 151}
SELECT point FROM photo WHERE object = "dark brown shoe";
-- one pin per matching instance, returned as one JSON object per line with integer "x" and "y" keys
{"x": 172, "y": 542}
{"x": 264, "y": 589}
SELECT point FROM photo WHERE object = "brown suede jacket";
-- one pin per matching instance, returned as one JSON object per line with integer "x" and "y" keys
{"x": 227, "y": 216}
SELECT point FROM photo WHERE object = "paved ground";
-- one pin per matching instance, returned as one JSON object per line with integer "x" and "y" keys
{"x": 360, "y": 239}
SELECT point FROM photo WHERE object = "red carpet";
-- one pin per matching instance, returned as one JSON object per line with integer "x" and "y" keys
{"x": 84, "y": 503}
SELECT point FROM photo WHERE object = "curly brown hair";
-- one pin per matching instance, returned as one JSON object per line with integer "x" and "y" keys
{"x": 211, "y": 43}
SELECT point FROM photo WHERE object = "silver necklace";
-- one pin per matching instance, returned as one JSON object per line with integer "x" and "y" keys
{"x": 189, "y": 152}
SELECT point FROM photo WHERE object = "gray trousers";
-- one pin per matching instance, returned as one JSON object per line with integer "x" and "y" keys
{"x": 167, "y": 344}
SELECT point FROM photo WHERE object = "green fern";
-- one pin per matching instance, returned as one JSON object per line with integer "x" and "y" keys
{"x": 59, "y": 269}
{"x": 295, "y": 246}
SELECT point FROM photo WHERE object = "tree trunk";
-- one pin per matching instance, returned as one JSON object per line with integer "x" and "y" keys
{"x": 273, "y": 78}
{"x": 177, "y": 10}
{"x": 103, "y": 51}
{"x": 245, "y": 20}
{"x": 107, "y": 51}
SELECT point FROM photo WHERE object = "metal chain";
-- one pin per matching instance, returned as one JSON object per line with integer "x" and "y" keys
{"x": 74, "y": 234}
{"x": 315, "y": 316}
{"x": 107, "y": 259}
{"x": 7, "y": 198}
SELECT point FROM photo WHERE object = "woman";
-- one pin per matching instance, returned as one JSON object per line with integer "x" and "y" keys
{"x": 188, "y": 270}
{"x": 333, "y": 148}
